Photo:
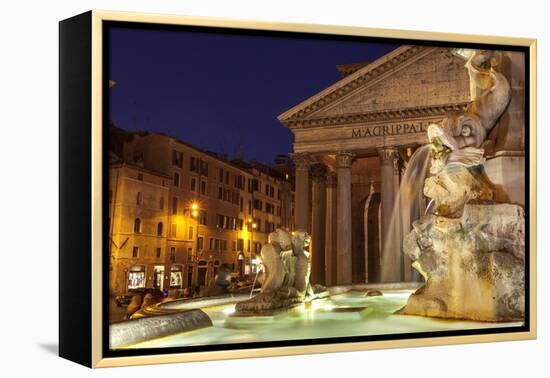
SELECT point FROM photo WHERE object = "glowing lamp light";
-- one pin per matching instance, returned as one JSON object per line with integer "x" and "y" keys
{"x": 249, "y": 220}
{"x": 254, "y": 225}
{"x": 194, "y": 213}
{"x": 194, "y": 206}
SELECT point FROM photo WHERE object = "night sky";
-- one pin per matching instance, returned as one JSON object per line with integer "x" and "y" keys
{"x": 222, "y": 92}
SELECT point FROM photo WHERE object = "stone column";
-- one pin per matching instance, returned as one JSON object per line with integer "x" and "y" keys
{"x": 331, "y": 261}
{"x": 302, "y": 162}
{"x": 391, "y": 250}
{"x": 344, "y": 271}
{"x": 318, "y": 205}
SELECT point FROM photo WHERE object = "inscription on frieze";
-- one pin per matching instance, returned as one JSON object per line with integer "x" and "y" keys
{"x": 390, "y": 129}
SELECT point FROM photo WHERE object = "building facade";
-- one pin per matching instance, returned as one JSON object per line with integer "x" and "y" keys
{"x": 138, "y": 221}
{"x": 352, "y": 144}
{"x": 213, "y": 212}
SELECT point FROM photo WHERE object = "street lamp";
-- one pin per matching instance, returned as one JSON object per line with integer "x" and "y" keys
{"x": 195, "y": 212}
{"x": 252, "y": 225}
{"x": 194, "y": 209}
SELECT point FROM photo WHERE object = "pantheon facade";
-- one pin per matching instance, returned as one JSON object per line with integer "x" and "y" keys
{"x": 352, "y": 143}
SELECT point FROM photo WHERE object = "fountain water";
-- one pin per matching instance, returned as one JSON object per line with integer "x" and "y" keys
{"x": 409, "y": 200}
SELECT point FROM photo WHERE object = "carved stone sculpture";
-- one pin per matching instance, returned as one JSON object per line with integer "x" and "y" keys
{"x": 461, "y": 135}
{"x": 473, "y": 265}
{"x": 469, "y": 249}
{"x": 285, "y": 280}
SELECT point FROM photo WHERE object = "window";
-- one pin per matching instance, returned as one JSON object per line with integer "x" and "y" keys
{"x": 269, "y": 208}
{"x": 239, "y": 182}
{"x": 241, "y": 207}
{"x": 240, "y": 244}
{"x": 220, "y": 193}
{"x": 203, "y": 218}
{"x": 173, "y": 230}
{"x": 220, "y": 221}
{"x": 176, "y": 179}
{"x": 278, "y": 194}
{"x": 258, "y": 225}
{"x": 137, "y": 225}
{"x": 220, "y": 245}
{"x": 258, "y": 205}
{"x": 200, "y": 243}
{"x": 203, "y": 187}
{"x": 159, "y": 228}
{"x": 172, "y": 254}
{"x": 161, "y": 203}
{"x": 193, "y": 184}
{"x": 177, "y": 158}
{"x": 199, "y": 166}
{"x": 211, "y": 244}
{"x": 174, "y": 205}
{"x": 190, "y": 232}
{"x": 271, "y": 191}
{"x": 226, "y": 178}
{"x": 138, "y": 198}
{"x": 140, "y": 176}
{"x": 266, "y": 190}
{"x": 194, "y": 164}
{"x": 269, "y": 227}
{"x": 234, "y": 246}
{"x": 220, "y": 178}
{"x": 159, "y": 253}
{"x": 135, "y": 252}
{"x": 204, "y": 168}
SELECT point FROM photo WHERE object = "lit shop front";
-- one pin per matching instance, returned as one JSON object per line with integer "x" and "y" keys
{"x": 176, "y": 277}
{"x": 136, "y": 277}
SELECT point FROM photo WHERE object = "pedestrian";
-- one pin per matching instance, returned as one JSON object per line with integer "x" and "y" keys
{"x": 197, "y": 292}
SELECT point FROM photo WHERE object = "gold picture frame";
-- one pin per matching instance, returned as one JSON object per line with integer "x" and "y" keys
{"x": 91, "y": 26}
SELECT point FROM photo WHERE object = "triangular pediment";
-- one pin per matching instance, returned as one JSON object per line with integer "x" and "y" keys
{"x": 409, "y": 77}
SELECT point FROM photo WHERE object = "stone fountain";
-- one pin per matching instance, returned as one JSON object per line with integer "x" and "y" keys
{"x": 285, "y": 275}
{"x": 468, "y": 247}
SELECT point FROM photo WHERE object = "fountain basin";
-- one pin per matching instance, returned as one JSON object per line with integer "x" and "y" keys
{"x": 349, "y": 313}
{"x": 138, "y": 330}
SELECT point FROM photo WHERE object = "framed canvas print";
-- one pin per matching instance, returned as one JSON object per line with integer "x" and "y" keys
{"x": 234, "y": 189}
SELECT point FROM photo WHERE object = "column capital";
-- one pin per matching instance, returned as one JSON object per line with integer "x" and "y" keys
{"x": 302, "y": 160}
{"x": 344, "y": 159}
{"x": 332, "y": 179}
{"x": 388, "y": 155}
{"x": 318, "y": 172}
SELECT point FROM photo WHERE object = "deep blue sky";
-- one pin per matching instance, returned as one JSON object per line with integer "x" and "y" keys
{"x": 222, "y": 92}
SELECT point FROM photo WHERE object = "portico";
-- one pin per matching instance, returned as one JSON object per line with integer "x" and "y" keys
{"x": 352, "y": 142}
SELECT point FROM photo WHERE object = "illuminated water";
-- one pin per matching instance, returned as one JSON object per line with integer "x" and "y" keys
{"x": 408, "y": 205}
{"x": 349, "y": 314}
